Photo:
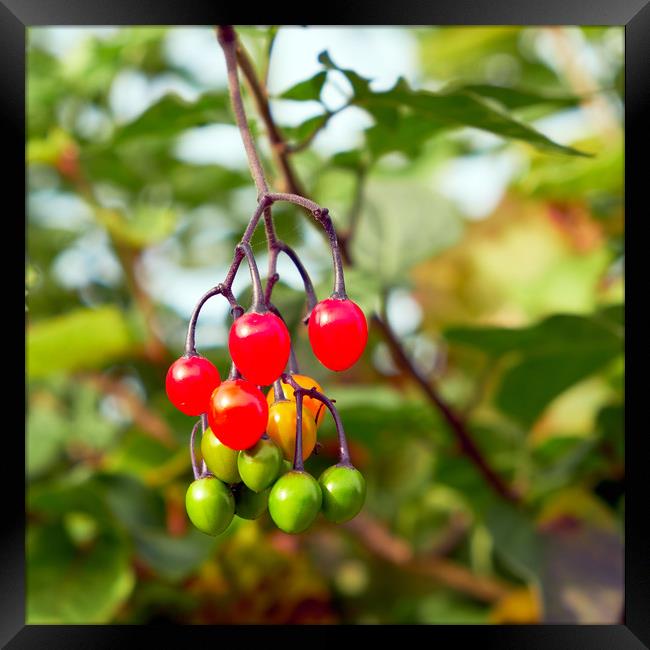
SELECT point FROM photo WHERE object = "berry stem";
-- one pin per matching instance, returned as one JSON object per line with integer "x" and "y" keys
{"x": 278, "y": 391}
{"x": 294, "y": 369}
{"x": 234, "y": 372}
{"x": 344, "y": 452}
{"x": 306, "y": 280}
{"x": 190, "y": 344}
{"x": 258, "y": 293}
{"x": 298, "y": 463}
{"x": 195, "y": 464}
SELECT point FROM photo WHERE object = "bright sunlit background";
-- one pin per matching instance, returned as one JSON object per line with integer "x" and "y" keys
{"x": 482, "y": 215}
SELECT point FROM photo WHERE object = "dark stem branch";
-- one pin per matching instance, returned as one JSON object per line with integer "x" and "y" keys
{"x": 278, "y": 145}
{"x": 344, "y": 452}
{"x": 298, "y": 463}
{"x": 455, "y": 422}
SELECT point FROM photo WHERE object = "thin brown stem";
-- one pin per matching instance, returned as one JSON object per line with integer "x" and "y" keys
{"x": 396, "y": 550}
{"x": 278, "y": 145}
{"x": 453, "y": 419}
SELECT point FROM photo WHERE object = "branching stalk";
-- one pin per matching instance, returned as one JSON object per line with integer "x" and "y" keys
{"x": 344, "y": 452}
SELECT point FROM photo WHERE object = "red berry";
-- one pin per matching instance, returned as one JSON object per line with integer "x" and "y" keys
{"x": 259, "y": 346}
{"x": 190, "y": 382}
{"x": 238, "y": 413}
{"x": 337, "y": 332}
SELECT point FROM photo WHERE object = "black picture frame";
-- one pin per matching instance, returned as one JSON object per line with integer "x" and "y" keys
{"x": 17, "y": 15}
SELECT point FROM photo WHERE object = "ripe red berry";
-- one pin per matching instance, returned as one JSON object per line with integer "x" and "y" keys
{"x": 238, "y": 413}
{"x": 337, "y": 332}
{"x": 259, "y": 346}
{"x": 190, "y": 382}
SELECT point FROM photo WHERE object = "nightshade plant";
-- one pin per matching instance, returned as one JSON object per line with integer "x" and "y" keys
{"x": 249, "y": 436}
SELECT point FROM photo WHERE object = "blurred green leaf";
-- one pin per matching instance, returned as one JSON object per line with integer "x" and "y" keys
{"x": 515, "y": 98}
{"x": 145, "y": 224}
{"x": 81, "y": 339}
{"x": 306, "y": 129}
{"x": 137, "y": 455}
{"x": 515, "y": 539}
{"x": 47, "y": 429}
{"x": 70, "y": 584}
{"x": 570, "y": 178}
{"x": 546, "y": 358}
{"x": 142, "y": 511}
{"x": 611, "y": 426}
{"x": 401, "y": 224}
{"x": 307, "y": 89}
{"x": 450, "y": 107}
{"x": 172, "y": 114}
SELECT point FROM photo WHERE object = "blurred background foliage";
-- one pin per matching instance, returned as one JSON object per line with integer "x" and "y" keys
{"x": 476, "y": 177}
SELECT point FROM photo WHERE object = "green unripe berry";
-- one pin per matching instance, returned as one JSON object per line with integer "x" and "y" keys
{"x": 294, "y": 502}
{"x": 260, "y": 465}
{"x": 344, "y": 492}
{"x": 210, "y": 505}
{"x": 220, "y": 459}
{"x": 249, "y": 504}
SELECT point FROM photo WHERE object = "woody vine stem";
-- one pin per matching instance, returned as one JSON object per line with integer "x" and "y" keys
{"x": 236, "y": 56}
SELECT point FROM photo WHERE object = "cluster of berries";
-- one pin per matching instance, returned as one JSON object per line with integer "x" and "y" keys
{"x": 254, "y": 446}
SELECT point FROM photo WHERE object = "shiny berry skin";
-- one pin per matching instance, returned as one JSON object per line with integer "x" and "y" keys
{"x": 344, "y": 492}
{"x": 249, "y": 504}
{"x": 219, "y": 459}
{"x": 259, "y": 345}
{"x": 190, "y": 382}
{"x": 316, "y": 407}
{"x": 238, "y": 413}
{"x": 294, "y": 502}
{"x": 210, "y": 505}
{"x": 281, "y": 428}
{"x": 338, "y": 333}
{"x": 260, "y": 465}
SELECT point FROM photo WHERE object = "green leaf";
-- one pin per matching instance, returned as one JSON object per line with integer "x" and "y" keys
{"x": 518, "y": 98}
{"x": 81, "y": 339}
{"x": 571, "y": 178}
{"x": 72, "y": 583}
{"x": 46, "y": 434}
{"x": 408, "y": 135}
{"x": 144, "y": 226}
{"x": 547, "y": 358}
{"x": 306, "y": 129}
{"x": 309, "y": 89}
{"x": 611, "y": 425}
{"x": 402, "y": 223}
{"x": 350, "y": 159}
{"x": 453, "y": 106}
{"x": 142, "y": 511}
{"x": 515, "y": 539}
{"x": 137, "y": 455}
{"x": 460, "y": 108}
{"x": 360, "y": 85}
{"x": 172, "y": 114}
